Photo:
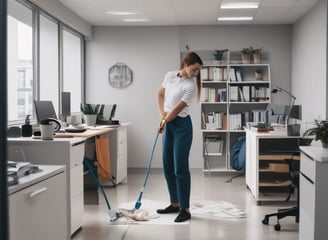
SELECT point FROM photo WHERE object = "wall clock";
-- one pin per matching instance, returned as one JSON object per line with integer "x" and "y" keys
{"x": 120, "y": 75}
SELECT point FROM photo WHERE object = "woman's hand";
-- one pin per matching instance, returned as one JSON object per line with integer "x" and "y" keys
{"x": 161, "y": 126}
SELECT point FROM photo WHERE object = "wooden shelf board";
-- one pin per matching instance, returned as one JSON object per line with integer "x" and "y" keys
{"x": 275, "y": 184}
{"x": 281, "y": 157}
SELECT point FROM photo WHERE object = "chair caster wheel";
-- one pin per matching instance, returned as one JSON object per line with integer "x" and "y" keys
{"x": 265, "y": 221}
{"x": 277, "y": 227}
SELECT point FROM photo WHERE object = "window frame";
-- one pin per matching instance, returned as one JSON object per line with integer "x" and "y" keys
{"x": 36, "y": 13}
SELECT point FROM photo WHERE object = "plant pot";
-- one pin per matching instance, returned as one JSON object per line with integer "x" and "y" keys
{"x": 257, "y": 58}
{"x": 324, "y": 145}
{"x": 90, "y": 119}
{"x": 258, "y": 76}
{"x": 218, "y": 56}
{"x": 245, "y": 59}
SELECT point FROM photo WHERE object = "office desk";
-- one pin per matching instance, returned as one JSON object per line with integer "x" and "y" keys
{"x": 69, "y": 149}
{"x": 313, "y": 193}
{"x": 265, "y": 177}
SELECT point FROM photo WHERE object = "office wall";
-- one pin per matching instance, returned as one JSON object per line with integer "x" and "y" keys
{"x": 309, "y": 63}
{"x": 61, "y": 12}
{"x": 151, "y": 52}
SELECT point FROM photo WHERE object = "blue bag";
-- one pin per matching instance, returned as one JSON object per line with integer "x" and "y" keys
{"x": 238, "y": 154}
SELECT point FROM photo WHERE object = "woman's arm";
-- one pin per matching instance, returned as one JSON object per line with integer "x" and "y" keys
{"x": 160, "y": 102}
{"x": 175, "y": 111}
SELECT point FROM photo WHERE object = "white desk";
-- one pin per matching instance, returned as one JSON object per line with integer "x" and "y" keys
{"x": 313, "y": 193}
{"x": 60, "y": 151}
{"x": 257, "y": 144}
{"x": 38, "y": 206}
{"x": 68, "y": 149}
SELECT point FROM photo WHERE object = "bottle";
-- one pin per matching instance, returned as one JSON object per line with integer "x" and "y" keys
{"x": 27, "y": 127}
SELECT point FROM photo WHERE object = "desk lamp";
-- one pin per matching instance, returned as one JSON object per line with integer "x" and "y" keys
{"x": 293, "y": 98}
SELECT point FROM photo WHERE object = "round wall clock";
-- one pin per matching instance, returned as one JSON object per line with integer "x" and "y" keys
{"x": 120, "y": 75}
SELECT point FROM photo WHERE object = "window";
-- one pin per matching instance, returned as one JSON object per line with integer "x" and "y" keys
{"x": 49, "y": 69}
{"x": 39, "y": 67}
{"x": 72, "y": 68}
{"x": 19, "y": 60}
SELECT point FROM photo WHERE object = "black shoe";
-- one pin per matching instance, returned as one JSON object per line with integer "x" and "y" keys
{"x": 169, "y": 209}
{"x": 183, "y": 216}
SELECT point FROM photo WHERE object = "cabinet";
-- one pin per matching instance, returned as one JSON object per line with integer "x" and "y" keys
{"x": 118, "y": 147}
{"x": 60, "y": 151}
{"x": 232, "y": 94}
{"x": 313, "y": 194}
{"x": 267, "y": 171}
{"x": 118, "y": 154}
{"x": 38, "y": 206}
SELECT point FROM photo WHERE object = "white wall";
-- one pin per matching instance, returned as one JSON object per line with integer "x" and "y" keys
{"x": 309, "y": 63}
{"x": 151, "y": 52}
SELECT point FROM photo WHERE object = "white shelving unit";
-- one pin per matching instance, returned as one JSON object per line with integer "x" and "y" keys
{"x": 232, "y": 95}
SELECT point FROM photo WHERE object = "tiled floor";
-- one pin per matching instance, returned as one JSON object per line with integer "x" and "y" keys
{"x": 96, "y": 221}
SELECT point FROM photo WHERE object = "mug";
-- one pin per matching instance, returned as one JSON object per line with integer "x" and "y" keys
{"x": 46, "y": 132}
{"x": 48, "y": 127}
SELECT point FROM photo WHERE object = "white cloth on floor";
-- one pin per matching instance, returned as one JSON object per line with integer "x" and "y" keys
{"x": 137, "y": 214}
{"x": 216, "y": 209}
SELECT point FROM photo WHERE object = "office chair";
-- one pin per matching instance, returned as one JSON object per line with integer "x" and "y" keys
{"x": 293, "y": 211}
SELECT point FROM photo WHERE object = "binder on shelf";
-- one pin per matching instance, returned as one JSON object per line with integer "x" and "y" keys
{"x": 246, "y": 93}
{"x": 223, "y": 95}
{"x": 234, "y": 93}
{"x": 239, "y": 74}
{"x": 204, "y": 74}
{"x": 241, "y": 94}
{"x": 232, "y": 75}
{"x": 204, "y": 95}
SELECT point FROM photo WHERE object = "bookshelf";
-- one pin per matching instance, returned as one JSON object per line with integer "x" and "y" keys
{"x": 232, "y": 94}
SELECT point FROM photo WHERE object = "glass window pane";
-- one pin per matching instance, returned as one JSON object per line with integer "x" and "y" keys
{"x": 19, "y": 60}
{"x": 72, "y": 68}
{"x": 49, "y": 77}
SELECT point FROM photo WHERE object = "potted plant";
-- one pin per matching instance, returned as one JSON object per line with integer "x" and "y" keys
{"x": 258, "y": 74}
{"x": 246, "y": 55}
{"x": 257, "y": 55}
{"x": 218, "y": 54}
{"x": 90, "y": 112}
{"x": 320, "y": 132}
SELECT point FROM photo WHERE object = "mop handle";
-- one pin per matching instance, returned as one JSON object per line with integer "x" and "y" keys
{"x": 97, "y": 181}
{"x": 148, "y": 167}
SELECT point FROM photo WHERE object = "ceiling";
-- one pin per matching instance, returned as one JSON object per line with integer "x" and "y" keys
{"x": 186, "y": 12}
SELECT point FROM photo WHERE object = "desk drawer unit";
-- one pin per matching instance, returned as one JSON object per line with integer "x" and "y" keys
{"x": 39, "y": 211}
{"x": 308, "y": 166}
{"x": 76, "y": 184}
{"x": 307, "y": 208}
{"x": 313, "y": 195}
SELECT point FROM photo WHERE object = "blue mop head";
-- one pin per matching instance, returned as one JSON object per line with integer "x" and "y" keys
{"x": 137, "y": 205}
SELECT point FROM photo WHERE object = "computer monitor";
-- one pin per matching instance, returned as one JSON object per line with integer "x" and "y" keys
{"x": 65, "y": 105}
{"x": 44, "y": 110}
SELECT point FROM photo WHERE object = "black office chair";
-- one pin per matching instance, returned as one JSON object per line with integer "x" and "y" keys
{"x": 293, "y": 211}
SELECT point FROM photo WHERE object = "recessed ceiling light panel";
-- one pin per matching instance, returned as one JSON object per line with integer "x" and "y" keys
{"x": 136, "y": 20}
{"x": 118, "y": 13}
{"x": 239, "y": 5}
{"x": 235, "y": 18}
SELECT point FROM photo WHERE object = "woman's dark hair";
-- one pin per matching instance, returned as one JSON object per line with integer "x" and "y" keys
{"x": 190, "y": 59}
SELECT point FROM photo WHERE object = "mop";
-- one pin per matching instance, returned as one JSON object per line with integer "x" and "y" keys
{"x": 113, "y": 214}
{"x": 138, "y": 202}
{"x": 136, "y": 213}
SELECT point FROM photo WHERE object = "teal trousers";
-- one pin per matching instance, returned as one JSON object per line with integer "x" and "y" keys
{"x": 177, "y": 139}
